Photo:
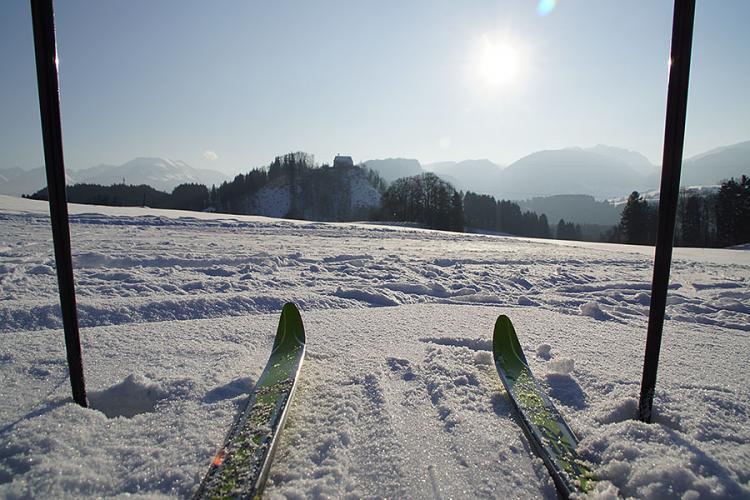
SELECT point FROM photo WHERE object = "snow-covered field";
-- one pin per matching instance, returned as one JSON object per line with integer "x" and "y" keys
{"x": 398, "y": 397}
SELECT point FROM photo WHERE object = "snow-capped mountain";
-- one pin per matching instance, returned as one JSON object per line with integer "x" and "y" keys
{"x": 159, "y": 173}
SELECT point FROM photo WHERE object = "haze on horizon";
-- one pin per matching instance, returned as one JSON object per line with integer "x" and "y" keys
{"x": 229, "y": 86}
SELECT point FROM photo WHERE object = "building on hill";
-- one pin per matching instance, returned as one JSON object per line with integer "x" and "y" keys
{"x": 343, "y": 161}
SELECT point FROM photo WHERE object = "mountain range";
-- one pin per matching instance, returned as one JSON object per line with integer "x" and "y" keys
{"x": 159, "y": 173}
{"x": 600, "y": 171}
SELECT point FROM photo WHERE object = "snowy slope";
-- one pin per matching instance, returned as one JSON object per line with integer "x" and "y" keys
{"x": 363, "y": 194}
{"x": 398, "y": 396}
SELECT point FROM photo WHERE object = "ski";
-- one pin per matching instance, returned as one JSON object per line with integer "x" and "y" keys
{"x": 240, "y": 468}
{"x": 545, "y": 427}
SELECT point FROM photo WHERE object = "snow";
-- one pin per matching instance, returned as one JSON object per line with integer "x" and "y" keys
{"x": 399, "y": 396}
{"x": 363, "y": 194}
{"x": 273, "y": 199}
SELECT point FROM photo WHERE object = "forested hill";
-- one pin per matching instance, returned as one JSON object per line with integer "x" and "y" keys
{"x": 291, "y": 186}
{"x": 294, "y": 187}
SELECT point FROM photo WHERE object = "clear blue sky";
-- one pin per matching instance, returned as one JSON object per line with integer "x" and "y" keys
{"x": 228, "y": 85}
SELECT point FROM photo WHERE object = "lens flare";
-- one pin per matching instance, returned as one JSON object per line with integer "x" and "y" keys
{"x": 545, "y": 7}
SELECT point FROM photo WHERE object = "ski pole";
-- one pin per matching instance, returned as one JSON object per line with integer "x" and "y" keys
{"x": 45, "y": 48}
{"x": 674, "y": 138}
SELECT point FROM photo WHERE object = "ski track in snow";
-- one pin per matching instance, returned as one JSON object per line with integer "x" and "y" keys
{"x": 399, "y": 396}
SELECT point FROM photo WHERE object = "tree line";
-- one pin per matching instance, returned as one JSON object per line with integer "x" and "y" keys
{"x": 320, "y": 193}
{"x": 482, "y": 211}
{"x": 718, "y": 219}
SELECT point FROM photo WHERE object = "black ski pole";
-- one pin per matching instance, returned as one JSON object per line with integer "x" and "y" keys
{"x": 45, "y": 48}
{"x": 674, "y": 137}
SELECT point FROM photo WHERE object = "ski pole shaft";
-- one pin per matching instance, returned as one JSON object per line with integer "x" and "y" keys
{"x": 45, "y": 48}
{"x": 674, "y": 137}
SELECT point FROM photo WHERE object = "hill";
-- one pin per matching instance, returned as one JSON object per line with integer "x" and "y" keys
{"x": 469, "y": 175}
{"x": 325, "y": 194}
{"x": 568, "y": 171}
{"x": 581, "y": 209}
{"x": 632, "y": 159}
{"x": 391, "y": 169}
{"x": 717, "y": 165}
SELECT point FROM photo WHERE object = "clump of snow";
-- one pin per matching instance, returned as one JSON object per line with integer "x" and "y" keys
{"x": 41, "y": 269}
{"x": 367, "y": 295}
{"x": 483, "y": 358}
{"x": 525, "y": 301}
{"x": 131, "y": 397}
{"x": 561, "y": 366}
{"x": 544, "y": 351}
{"x": 592, "y": 310}
{"x": 622, "y": 411}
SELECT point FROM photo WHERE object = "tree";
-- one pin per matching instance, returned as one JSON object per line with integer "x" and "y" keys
{"x": 457, "y": 212}
{"x": 568, "y": 231}
{"x": 733, "y": 212}
{"x": 190, "y": 197}
{"x": 691, "y": 222}
{"x": 544, "y": 230}
{"x": 638, "y": 221}
{"x": 424, "y": 199}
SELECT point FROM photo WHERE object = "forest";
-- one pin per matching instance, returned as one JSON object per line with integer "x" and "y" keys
{"x": 719, "y": 219}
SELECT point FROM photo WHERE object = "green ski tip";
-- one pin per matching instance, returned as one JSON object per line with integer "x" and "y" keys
{"x": 291, "y": 331}
{"x": 545, "y": 427}
{"x": 240, "y": 468}
{"x": 505, "y": 346}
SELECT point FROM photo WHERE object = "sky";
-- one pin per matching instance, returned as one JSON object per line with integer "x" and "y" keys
{"x": 229, "y": 85}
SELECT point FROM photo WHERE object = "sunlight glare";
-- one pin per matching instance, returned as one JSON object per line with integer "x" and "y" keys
{"x": 498, "y": 62}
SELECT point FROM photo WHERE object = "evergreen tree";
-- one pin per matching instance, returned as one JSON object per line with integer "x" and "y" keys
{"x": 733, "y": 212}
{"x": 691, "y": 220}
{"x": 544, "y": 230}
{"x": 457, "y": 212}
{"x": 638, "y": 221}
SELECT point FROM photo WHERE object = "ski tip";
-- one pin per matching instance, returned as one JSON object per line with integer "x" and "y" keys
{"x": 291, "y": 329}
{"x": 503, "y": 321}
{"x": 503, "y": 330}
{"x": 504, "y": 339}
{"x": 290, "y": 308}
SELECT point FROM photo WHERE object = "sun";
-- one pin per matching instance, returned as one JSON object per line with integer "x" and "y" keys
{"x": 497, "y": 62}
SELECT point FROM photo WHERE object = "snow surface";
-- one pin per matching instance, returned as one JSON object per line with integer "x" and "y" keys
{"x": 399, "y": 396}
